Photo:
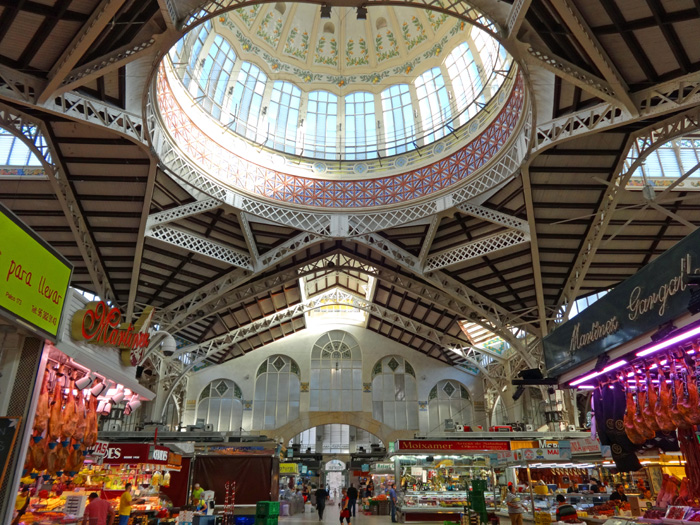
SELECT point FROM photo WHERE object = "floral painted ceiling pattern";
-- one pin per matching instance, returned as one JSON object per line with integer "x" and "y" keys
{"x": 296, "y": 39}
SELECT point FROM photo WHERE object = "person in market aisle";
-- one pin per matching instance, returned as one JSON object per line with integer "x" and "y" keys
{"x": 21, "y": 504}
{"x": 125, "y": 501}
{"x": 619, "y": 494}
{"x": 344, "y": 509}
{"x": 352, "y": 499}
{"x": 321, "y": 497}
{"x": 197, "y": 492}
{"x": 392, "y": 500}
{"x": 515, "y": 508}
{"x": 565, "y": 512}
{"x": 98, "y": 511}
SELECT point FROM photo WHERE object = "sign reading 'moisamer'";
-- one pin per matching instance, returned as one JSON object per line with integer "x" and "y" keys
{"x": 34, "y": 277}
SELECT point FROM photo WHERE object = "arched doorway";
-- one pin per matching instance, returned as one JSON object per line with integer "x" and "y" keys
{"x": 336, "y": 477}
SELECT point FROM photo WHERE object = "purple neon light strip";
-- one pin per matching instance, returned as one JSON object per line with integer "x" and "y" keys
{"x": 596, "y": 374}
{"x": 669, "y": 342}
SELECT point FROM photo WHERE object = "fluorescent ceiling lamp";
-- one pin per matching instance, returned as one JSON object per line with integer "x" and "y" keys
{"x": 669, "y": 342}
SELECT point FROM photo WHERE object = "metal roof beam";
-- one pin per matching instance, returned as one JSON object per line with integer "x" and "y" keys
{"x": 475, "y": 249}
{"x": 639, "y": 145}
{"x": 496, "y": 217}
{"x": 570, "y": 72}
{"x": 35, "y": 134}
{"x": 215, "y": 291}
{"x": 590, "y": 44}
{"x": 99, "y": 19}
{"x": 516, "y": 17}
{"x": 181, "y": 212}
{"x": 196, "y": 243}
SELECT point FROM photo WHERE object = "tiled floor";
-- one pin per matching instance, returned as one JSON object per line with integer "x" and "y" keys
{"x": 331, "y": 516}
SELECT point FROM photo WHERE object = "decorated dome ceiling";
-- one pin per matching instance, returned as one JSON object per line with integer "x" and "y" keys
{"x": 339, "y": 112}
{"x": 343, "y": 51}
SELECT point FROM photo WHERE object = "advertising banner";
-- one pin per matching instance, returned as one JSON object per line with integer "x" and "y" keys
{"x": 541, "y": 454}
{"x": 34, "y": 277}
{"x": 656, "y": 294}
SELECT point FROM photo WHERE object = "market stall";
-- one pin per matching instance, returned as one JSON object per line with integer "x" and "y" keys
{"x": 80, "y": 384}
{"x": 436, "y": 476}
{"x": 636, "y": 351}
{"x": 254, "y": 467}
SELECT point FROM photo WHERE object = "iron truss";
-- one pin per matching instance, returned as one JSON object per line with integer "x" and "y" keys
{"x": 34, "y": 134}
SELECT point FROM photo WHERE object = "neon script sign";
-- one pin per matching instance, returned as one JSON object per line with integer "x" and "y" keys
{"x": 99, "y": 324}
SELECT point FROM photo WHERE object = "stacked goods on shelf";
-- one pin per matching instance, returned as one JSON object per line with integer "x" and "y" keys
{"x": 267, "y": 512}
{"x": 543, "y": 518}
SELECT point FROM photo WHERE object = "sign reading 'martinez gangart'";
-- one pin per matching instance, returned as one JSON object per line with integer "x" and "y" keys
{"x": 656, "y": 294}
{"x": 33, "y": 277}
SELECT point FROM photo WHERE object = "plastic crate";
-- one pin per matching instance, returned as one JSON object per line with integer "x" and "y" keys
{"x": 267, "y": 508}
{"x": 270, "y": 520}
{"x": 245, "y": 520}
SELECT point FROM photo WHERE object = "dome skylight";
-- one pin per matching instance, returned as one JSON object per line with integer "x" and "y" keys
{"x": 339, "y": 89}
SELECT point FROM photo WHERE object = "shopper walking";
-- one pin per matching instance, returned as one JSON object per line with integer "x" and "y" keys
{"x": 344, "y": 510}
{"x": 321, "y": 497}
{"x": 352, "y": 499}
{"x": 392, "y": 499}
{"x": 515, "y": 508}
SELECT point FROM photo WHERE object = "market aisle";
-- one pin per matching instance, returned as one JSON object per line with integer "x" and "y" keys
{"x": 331, "y": 517}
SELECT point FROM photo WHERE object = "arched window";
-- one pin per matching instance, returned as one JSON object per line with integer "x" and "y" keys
{"x": 336, "y": 373}
{"x": 215, "y": 74}
{"x": 449, "y": 400}
{"x": 466, "y": 81}
{"x": 360, "y": 127}
{"x": 283, "y": 116}
{"x": 194, "y": 53}
{"x": 321, "y": 125}
{"x": 394, "y": 393}
{"x": 220, "y": 405}
{"x": 246, "y": 100}
{"x": 277, "y": 391}
{"x": 433, "y": 103}
{"x": 399, "y": 128}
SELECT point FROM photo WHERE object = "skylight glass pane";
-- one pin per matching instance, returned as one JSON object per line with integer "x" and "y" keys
{"x": 215, "y": 75}
{"x": 652, "y": 167}
{"x": 196, "y": 50}
{"x": 465, "y": 84}
{"x": 283, "y": 116}
{"x": 689, "y": 158}
{"x": 669, "y": 162}
{"x": 360, "y": 127}
{"x": 399, "y": 128}
{"x": 321, "y": 125}
{"x": 434, "y": 104}
{"x": 246, "y": 100}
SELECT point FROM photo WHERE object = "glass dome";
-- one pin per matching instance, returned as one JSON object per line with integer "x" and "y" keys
{"x": 339, "y": 88}
{"x": 277, "y": 101}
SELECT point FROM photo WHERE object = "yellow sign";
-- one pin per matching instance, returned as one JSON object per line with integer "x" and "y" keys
{"x": 34, "y": 277}
{"x": 288, "y": 468}
{"x": 517, "y": 445}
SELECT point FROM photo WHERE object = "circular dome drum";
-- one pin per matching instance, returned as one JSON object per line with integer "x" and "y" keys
{"x": 278, "y": 102}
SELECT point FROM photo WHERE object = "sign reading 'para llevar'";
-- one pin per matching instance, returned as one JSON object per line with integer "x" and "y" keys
{"x": 656, "y": 294}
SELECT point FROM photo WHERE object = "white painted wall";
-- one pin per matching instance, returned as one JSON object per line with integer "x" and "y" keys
{"x": 298, "y": 346}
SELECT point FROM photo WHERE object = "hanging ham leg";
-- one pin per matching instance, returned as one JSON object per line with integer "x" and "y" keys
{"x": 41, "y": 420}
{"x": 630, "y": 428}
{"x": 676, "y": 390}
{"x": 663, "y": 403}
{"x": 81, "y": 424}
{"x": 650, "y": 405}
{"x": 55, "y": 417}
{"x": 685, "y": 406}
{"x": 639, "y": 420}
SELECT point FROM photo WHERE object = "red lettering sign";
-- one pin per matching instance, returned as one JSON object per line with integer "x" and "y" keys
{"x": 99, "y": 324}
{"x": 437, "y": 446}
